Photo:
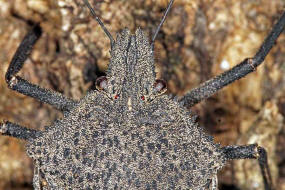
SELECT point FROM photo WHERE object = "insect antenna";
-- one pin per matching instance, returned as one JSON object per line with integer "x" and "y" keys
{"x": 112, "y": 41}
{"x": 161, "y": 23}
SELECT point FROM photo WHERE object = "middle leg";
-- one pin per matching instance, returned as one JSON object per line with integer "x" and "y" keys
{"x": 252, "y": 151}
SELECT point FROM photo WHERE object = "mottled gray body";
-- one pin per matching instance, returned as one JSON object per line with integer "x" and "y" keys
{"x": 127, "y": 134}
{"x": 115, "y": 139}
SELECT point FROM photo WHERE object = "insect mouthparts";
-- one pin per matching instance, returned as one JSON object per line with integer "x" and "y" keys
{"x": 129, "y": 104}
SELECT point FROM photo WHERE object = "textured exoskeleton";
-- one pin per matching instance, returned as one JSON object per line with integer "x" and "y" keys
{"x": 128, "y": 134}
{"x": 114, "y": 139}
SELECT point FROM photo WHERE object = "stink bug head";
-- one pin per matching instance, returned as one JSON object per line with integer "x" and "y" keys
{"x": 131, "y": 75}
{"x": 131, "y": 69}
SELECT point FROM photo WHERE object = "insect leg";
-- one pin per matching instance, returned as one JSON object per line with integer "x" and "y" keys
{"x": 14, "y": 130}
{"x": 252, "y": 151}
{"x": 112, "y": 41}
{"x": 214, "y": 184}
{"x": 24, "y": 87}
{"x": 36, "y": 178}
{"x": 249, "y": 65}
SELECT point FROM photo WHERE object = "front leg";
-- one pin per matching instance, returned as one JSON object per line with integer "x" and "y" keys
{"x": 36, "y": 178}
{"x": 24, "y": 87}
{"x": 39, "y": 183}
{"x": 214, "y": 183}
{"x": 210, "y": 87}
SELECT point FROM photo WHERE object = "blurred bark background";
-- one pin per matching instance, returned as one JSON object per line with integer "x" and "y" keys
{"x": 200, "y": 39}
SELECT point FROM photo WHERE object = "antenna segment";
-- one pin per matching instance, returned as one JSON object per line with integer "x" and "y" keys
{"x": 112, "y": 41}
{"x": 161, "y": 23}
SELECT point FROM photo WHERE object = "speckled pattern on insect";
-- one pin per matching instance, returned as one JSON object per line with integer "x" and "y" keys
{"x": 128, "y": 134}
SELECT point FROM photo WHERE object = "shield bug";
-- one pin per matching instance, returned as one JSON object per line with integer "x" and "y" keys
{"x": 128, "y": 134}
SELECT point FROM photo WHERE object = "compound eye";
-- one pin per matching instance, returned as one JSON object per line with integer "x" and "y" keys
{"x": 160, "y": 86}
{"x": 101, "y": 83}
